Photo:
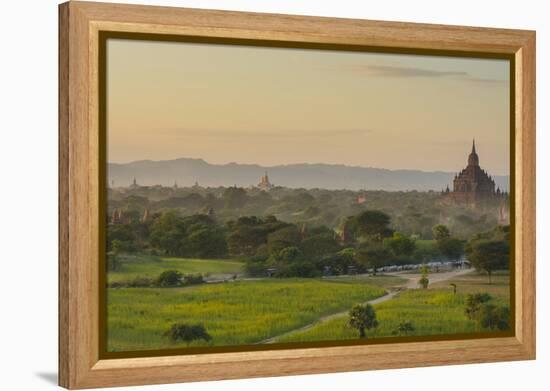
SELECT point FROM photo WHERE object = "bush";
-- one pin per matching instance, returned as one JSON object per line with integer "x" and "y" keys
{"x": 256, "y": 266}
{"x": 493, "y": 317}
{"x": 302, "y": 269}
{"x": 190, "y": 279}
{"x": 424, "y": 280}
{"x": 473, "y": 304}
{"x": 404, "y": 328}
{"x": 138, "y": 282}
{"x": 169, "y": 278}
{"x": 187, "y": 333}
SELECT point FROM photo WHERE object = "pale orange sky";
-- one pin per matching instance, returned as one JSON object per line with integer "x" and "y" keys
{"x": 272, "y": 106}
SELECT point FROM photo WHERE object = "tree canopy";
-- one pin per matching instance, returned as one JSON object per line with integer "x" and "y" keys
{"x": 362, "y": 317}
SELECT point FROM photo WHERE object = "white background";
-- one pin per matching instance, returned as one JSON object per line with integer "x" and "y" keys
{"x": 28, "y": 207}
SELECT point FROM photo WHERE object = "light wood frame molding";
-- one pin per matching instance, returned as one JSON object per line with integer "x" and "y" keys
{"x": 80, "y": 365}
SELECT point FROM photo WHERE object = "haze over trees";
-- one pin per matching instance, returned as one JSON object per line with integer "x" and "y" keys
{"x": 411, "y": 213}
{"x": 310, "y": 232}
{"x": 327, "y": 176}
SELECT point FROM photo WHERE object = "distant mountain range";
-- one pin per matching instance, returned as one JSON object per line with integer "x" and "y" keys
{"x": 186, "y": 172}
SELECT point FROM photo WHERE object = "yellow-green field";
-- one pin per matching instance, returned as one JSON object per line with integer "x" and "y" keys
{"x": 233, "y": 313}
{"x": 432, "y": 311}
{"x": 140, "y": 266}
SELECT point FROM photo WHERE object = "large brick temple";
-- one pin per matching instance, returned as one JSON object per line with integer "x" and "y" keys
{"x": 472, "y": 185}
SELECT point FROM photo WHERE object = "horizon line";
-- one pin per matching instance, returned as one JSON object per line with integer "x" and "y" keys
{"x": 294, "y": 164}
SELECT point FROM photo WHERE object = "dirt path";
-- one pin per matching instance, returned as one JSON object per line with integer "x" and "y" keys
{"x": 411, "y": 283}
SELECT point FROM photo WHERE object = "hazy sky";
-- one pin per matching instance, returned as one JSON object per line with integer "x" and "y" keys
{"x": 273, "y": 106}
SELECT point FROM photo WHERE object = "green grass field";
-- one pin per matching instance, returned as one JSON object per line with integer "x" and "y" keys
{"x": 381, "y": 280}
{"x": 433, "y": 311}
{"x": 147, "y": 266}
{"x": 234, "y": 313}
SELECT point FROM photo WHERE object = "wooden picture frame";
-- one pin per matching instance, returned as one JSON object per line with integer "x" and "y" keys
{"x": 80, "y": 154}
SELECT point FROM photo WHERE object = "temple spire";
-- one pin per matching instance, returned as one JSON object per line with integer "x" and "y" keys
{"x": 473, "y": 159}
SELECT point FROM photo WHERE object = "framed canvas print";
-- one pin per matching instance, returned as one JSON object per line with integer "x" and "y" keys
{"x": 247, "y": 195}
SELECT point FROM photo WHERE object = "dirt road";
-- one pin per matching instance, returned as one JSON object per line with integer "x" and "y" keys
{"x": 411, "y": 283}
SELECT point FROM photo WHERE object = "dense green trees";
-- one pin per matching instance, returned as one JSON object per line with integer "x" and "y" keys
{"x": 205, "y": 242}
{"x": 317, "y": 246}
{"x": 411, "y": 213}
{"x": 373, "y": 257}
{"x": 282, "y": 238}
{"x": 234, "y": 197}
{"x": 400, "y": 245}
{"x": 249, "y": 235}
{"x": 167, "y": 233}
{"x": 181, "y": 223}
{"x": 449, "y": 246}
{"x": 196, "y": 236}
{"x": 373, "y": 224}
{"x": 452, "y": 248}
{"x": 440, "y": 232}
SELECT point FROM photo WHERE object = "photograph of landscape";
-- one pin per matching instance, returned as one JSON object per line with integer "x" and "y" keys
{"x": 270, "y": 195}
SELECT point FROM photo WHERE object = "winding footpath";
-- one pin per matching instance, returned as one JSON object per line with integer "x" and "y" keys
{"x": 410, "y": 283}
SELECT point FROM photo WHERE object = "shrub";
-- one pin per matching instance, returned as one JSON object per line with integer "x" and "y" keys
{"x": 169, "y": 278}
{"x": 424, "y": 280}
{"x": 493, "y": 317}
{"x": 191, "y": 279}
{"x": 403, "y": 328}
{"x": 187, "y": 333}
{"x": 473, "y": 304}
{"x": 256, "y": 266}
{"x": 302, "y": 269}
{"x": 138, "y": 282}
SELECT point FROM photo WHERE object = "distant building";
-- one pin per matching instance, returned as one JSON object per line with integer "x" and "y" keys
{"x": 472, "y": 185}
{"x": 134, "y": 184}
{"x": 264, "y": 183}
